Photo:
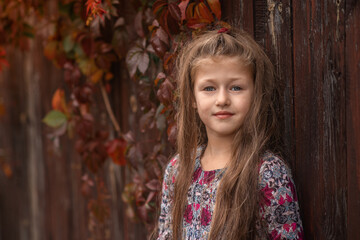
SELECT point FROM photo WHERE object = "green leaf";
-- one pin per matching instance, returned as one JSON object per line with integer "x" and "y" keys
{"x": 54, "y": 119}
{"x": 68, "y": 43}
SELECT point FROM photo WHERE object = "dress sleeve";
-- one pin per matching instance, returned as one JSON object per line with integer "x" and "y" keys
{"x": 279, "y": 211}
{"x": 165, "y": 218}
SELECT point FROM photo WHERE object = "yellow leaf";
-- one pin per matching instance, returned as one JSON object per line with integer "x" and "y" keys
{"x": 96, "y": 77}
{"x": 108, "y": 76}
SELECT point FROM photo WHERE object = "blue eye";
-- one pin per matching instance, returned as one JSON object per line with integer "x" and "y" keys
{"x": 236, "y": 88}
{"x": 209, "y": 89}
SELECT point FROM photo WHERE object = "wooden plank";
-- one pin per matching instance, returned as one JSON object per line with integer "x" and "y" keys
{"x": 352, "y": 54}
{"x": 14, "y": 195}
{"x": 239, "y": 13}
{"x": 273, "y": 31}
{"x": 319, "y": 84}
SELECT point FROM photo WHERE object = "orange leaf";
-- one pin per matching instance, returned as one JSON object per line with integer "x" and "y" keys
{"x": 158, "y": 7}
{"x": 6, "y": 169}
{"x": 215, "y": 8}
{"x": 96, "y": 76}
{"x": 50, "y": 50}
{"x": 58, "y": 101}
{"x": 116, "y": 150}
{"x": 190, "y": 11}
{"x": 202, "y": 12}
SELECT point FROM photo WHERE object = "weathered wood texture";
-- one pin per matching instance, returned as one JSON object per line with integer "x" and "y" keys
{"x": 320, "y": 69}
{"x": 315, "y": 46}
{"x": 352, "y": 73}
{"x": 320, "y": 117}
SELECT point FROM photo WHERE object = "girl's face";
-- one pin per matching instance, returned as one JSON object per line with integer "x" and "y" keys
{"x": 223, "y": 89}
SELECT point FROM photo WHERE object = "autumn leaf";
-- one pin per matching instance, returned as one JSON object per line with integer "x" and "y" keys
{"x": 183, "y": 5}
{"x": 116, "y": 150}
{"x": 215, "y": 7}
{"x": 172, "y": 132}
{"x": 146, "y": 120}
{"x": 6, "y": 168}
{"x": 97, "y": 76}
{"x": 51, "y": 49}
{"x": 198, "y": 15}
{"x": 175, "y": 11}
{"x": 154, "y": 185}
{"x": 58, "y": 101}
{"x": 55, "y": 119}
{"x": 168, "y": 16}
{"x": 3, "y": 61}
{"x": 159, "y": 41}
{"x": 93, "y": 10}
{"x": 164, "y": 93}
{"x": 138, "y": 58}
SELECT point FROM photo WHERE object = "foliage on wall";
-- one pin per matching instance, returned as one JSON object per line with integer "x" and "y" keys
{"x": 89, "y": 40}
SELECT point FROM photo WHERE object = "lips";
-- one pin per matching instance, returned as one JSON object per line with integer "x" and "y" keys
{"x": 223, "y": 114}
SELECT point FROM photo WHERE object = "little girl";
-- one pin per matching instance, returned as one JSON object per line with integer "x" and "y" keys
{"x": 226, "y": 182}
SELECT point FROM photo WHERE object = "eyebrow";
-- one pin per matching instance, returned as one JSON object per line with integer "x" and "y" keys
{"x": 211, "y": 80}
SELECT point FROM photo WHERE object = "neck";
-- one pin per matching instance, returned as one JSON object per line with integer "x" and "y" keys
{"x": 217, "y": 153}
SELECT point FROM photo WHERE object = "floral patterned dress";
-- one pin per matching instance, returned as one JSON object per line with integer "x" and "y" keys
{"x": 279, "y": 210}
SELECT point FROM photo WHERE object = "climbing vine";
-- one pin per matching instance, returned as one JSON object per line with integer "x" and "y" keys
{"x": 90, "y": 40}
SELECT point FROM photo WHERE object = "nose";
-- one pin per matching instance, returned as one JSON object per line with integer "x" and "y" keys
{"x": 222, "y": 98}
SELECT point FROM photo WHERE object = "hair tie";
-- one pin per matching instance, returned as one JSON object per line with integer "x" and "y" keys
{"x": 223, "y": 30}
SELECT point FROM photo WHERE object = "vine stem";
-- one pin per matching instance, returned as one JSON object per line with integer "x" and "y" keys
{"x": 109, "y": 109}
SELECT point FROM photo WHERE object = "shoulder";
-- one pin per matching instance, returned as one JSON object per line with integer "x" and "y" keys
{"x": 279, "y": 208}
{"x": 273, "y": 170}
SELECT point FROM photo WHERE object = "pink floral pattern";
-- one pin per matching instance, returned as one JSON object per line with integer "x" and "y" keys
{"x": 279, "y": 209}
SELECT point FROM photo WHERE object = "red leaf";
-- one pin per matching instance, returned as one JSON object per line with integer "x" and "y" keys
{"x": 137, "y": 58}
{"x": 142, "y": 211}
{"x": 146, "y": 120}
{"x": 116, "y": 150}
{"x": 158, "y": 7}
{"x": 169, "y": 63}
{"x": 3, "y": 62}
{"x": 153, "y": 185}
{"x": 175, "y": 11}
{"x": 150, "y": 197}
{"x": 164, "y": 93}
{"x": 172, "y": 24}
{"x": 172, "y": 132}
{"x": 183, "y": 5}
{"x": 215, "y": 8}
{"x": 160, "y": 41}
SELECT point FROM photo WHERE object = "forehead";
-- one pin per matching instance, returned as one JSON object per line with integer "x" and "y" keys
{"x": 233, "y": 60}
{"x": 223, "y": 65}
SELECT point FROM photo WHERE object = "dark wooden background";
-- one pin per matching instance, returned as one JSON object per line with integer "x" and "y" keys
{"x": 315, "y": 46}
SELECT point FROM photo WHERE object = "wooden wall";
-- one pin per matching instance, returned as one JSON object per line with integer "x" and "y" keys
{"x": 315, "y": 46}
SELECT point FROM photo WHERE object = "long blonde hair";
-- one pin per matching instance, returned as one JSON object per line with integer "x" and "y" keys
{"x": 237, "y": 201}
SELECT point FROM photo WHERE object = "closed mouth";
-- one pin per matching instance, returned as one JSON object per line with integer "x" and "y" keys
{"x": 223, "y": 114}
